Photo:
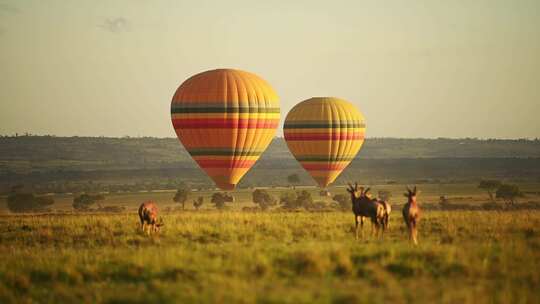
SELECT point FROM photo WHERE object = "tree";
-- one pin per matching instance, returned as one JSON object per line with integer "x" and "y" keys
{"x": 84, "y": 201}
{"x": 293, "y": 179}
{"x": 288, "y": 199}
{"x": 384, "y": 195}
{"x": 198, "y": 203}
{"x": 508, "y": 193}
{"x": 343, "y": 201}
{"x": 20, "y": 200}
{"x": 490, "y": 186}
{"x": 182, "y": 195}
{"x": 219, "y": 199}
{"x": 292, "y": 199}
{"x": 304, "y": 199}
{"x": 263, "y": 199}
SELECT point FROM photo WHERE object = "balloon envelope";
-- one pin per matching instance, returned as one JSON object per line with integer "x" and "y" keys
{"x": 324, "y": 134}
{"x": 225, "y": 119}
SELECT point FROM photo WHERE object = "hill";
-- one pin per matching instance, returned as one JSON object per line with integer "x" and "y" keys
{"x": 63, "y": 162}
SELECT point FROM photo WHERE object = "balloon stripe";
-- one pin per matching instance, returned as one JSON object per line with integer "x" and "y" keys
{"x": 324, "y": 158}
{"x": 323, "y": 136}
{"x": 179, "y": 110}
{"x": 196, "y": 152}
{"x": 323, "y": 125}
{"x": 232, "y": 163}
{"x": 325, "y": 166}
{"x": 201, "y": 123}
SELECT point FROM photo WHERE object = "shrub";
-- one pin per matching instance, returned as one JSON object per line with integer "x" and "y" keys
{"x": 84, "y": 201}
{"x": 298, "y": 199}
{"x": 263, "y": 199}
{"x": 219, "y": 199}
{"x": 20, "y": 201}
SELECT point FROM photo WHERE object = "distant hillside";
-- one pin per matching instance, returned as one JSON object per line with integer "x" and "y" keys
{"x": 163, "y": 162}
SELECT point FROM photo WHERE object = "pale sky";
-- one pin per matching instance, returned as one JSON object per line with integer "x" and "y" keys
{"x": 414, "y": 68}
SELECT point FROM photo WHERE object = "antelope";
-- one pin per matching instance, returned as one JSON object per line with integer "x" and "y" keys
{"x": 363, "y": 206}
{"x": 411, "y": 214}
{"x": 148, "y": 215}
{"x": 387, "y": 209}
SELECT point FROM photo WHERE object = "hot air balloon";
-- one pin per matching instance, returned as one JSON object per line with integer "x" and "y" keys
{"x": 324, "y": 134}
{"x": 225, "y": 119}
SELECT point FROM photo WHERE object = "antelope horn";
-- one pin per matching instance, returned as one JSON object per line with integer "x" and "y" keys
{"x": 355, "y": 186}
{"x": 414, "y": 190}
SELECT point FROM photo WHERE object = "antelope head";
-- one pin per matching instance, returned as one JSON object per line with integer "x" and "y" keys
{"x": 411, "y": 194}
{"x": 355, "y": 191}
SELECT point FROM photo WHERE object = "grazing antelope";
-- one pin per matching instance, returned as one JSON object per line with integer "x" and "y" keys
{"x": 148, "y": 215}
{"x": 363, "y": 206}
{"x": 411, "y": 214}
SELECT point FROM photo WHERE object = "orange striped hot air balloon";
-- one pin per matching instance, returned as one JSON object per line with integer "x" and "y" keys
{"x": 324, "y": 134}
{"x": 225, "y": 119}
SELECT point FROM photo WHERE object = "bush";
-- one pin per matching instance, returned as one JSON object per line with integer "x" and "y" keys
{"x": 84, "y": 201}
{"x": 263, "y": 199}
{"x": 27, "y": 202}
{"x": 298, "y": 199}
{"x": 219, "y": 199}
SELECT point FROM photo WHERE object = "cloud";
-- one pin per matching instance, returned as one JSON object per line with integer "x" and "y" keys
{"x": 115, "y": 25}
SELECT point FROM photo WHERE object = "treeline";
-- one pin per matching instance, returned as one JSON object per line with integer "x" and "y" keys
{"x": 96, "y": 164}
{"x": 274, "y": 173}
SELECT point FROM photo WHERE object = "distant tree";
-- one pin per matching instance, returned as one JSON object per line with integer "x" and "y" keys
{"x": 490, "y": 186}
{"x": 296, "y": 199}
{"x": 288, "y": 199}
{"x": 20, "y": 200}
{"x": 198, "y": 203}
{"x": 508, "y": 193}
{"x": 443, "y": 200}
{"x": 219, "y": 199}
{"x": 384, "y": 195}
{"x": 182, "y": 195}
{"x": 84, "y": 201}
{"x": 263, "y": 199}
{"x": 293, "y": 179}
{"x": 343, "y": 201}
{"x": 304, "y": 199}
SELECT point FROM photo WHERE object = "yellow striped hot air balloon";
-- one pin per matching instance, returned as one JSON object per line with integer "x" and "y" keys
{"x": 324, "y": 134}
{"x": 225, "y": 119}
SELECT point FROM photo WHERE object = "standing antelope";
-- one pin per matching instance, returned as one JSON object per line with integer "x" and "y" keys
{"x": 148, "y": 215}
{"x": 411, "y": 214}
{"x": 387, "y": 210}
{"x": 384, "y": 217}
{"x": 363, "y": 206}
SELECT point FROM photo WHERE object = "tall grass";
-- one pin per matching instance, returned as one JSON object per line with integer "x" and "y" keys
{"x": 463, "y": 257}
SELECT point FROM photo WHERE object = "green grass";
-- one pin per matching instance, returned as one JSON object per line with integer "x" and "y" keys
{"x": 274, "y": 257}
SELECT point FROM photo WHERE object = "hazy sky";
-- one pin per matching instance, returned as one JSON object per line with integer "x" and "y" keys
{"x": 414, "y": 68}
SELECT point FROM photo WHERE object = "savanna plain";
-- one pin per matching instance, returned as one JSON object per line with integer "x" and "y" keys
{"x": 275, "y": 256}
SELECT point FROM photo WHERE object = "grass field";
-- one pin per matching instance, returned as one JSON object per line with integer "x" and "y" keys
{"x": 272, "y": 257}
